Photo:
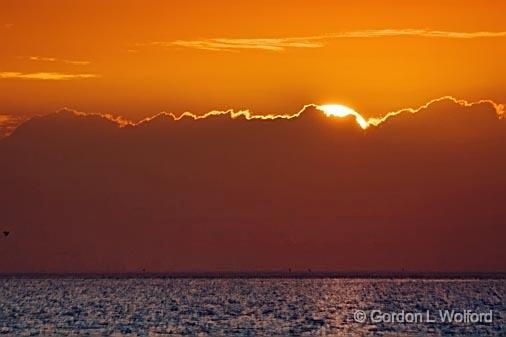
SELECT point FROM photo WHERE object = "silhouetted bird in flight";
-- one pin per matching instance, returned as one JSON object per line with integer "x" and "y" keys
{"x": 6, "y": 233}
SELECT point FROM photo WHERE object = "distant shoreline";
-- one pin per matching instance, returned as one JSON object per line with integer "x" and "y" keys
{"x": 263, "y": 275}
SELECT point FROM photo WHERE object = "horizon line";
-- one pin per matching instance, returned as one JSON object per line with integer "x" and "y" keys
{"x": 265, "y": 274}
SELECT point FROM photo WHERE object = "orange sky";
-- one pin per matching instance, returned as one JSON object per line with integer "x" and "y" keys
{"x": 136, "y": 58}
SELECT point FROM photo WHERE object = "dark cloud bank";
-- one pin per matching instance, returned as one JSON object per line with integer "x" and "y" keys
{"x": 423, "y": 191}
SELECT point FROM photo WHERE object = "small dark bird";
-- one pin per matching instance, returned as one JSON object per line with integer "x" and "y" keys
{"x": 6, "y": 233}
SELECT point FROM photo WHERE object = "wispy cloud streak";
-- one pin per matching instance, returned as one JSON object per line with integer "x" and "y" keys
{"x": 278, "y": 44}
{"x": 317, "y": 41}
{"x": 54, "y": 59}
{"x": 50, "y": 76}
{"x": 414, "y": 33}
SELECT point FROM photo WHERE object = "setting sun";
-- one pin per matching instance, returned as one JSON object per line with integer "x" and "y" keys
{"x": 338, "y": 110}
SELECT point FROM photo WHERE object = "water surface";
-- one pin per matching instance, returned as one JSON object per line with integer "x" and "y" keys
{"x": 242, "y": 307}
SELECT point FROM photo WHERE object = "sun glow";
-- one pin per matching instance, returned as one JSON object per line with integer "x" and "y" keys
{"x": 338, "y": 110}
